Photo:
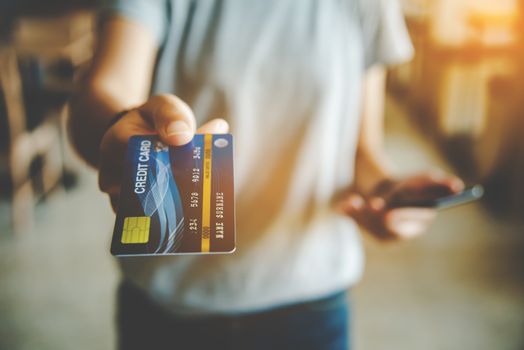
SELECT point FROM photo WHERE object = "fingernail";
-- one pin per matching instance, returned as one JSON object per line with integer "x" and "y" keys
{"x": 356, "y": 202}
{"x": 179, "y": 131}
{"x": 438, "y": 173}
{"x": 377, "y": 203}
{"x": 177, "y": 127}
{"x": 457, "y": 185}
{"x": 221, "y": 126}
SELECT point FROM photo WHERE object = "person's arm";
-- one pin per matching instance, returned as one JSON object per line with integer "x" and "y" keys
{"x": 375, "y": 186}
{"x": 371, "y": 166}
{"x": 119, "y": 79}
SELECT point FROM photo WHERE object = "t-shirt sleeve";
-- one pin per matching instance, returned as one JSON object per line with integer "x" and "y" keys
{"x": 386, "y": 39}
{"x": 152, "y": 14}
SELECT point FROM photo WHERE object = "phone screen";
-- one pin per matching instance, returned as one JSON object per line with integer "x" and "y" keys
{"x": 466, "y": 196}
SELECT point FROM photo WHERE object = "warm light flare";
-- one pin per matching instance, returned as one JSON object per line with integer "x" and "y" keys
{"x": 487, "y": 22}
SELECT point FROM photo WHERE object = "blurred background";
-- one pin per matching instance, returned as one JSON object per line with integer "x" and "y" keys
{"x": 458, "y": 105}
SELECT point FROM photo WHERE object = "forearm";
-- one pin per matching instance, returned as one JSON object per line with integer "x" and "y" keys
{"x": 91, "y": 109}
{"x": 119, "y": 78}
{"x": 371, "y": 164}
{"x": 371, "y": 169}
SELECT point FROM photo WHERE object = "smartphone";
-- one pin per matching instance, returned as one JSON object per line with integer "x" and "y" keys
{"x": 468, "y": 195}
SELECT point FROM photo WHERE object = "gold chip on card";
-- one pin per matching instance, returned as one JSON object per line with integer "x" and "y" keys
{"x": 136, "y": 229}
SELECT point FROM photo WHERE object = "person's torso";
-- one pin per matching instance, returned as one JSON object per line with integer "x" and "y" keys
{"x": 287, "y": 77}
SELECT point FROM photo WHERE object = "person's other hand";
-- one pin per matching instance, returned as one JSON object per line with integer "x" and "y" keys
{"x": 372, "y": 213}
{"x": 165, "y": 115}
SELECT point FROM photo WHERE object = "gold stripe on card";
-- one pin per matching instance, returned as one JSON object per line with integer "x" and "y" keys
{"x": 206, "y": 194}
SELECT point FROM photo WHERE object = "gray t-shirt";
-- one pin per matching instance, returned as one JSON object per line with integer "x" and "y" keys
{"x": 287, "y": 76}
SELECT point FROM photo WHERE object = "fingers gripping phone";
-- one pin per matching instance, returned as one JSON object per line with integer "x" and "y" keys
{"x": 468, "y": 195}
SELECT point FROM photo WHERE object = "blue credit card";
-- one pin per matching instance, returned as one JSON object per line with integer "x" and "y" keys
{"x": 176, "y": 200}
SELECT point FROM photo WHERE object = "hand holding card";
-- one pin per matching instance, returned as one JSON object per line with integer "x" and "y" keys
{"x": 164, "y": 117}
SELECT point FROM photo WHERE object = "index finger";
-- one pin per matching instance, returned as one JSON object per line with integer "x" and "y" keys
{"x": 426, "y": 186}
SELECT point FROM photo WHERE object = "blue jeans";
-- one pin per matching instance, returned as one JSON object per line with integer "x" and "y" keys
{"x": 316, "y": 325}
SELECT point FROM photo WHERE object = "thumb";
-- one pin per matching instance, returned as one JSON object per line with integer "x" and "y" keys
{"x": 171, "y": 117}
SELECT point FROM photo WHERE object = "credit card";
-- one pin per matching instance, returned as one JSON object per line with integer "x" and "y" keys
{"x": 176, "y": 200}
